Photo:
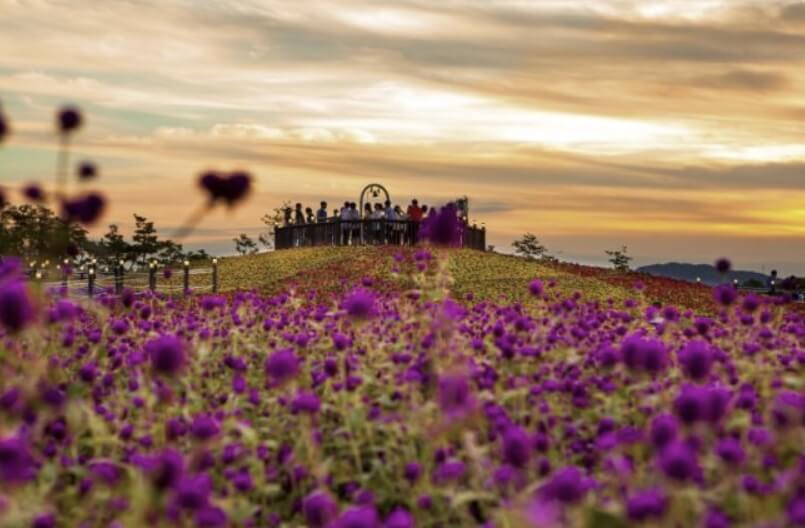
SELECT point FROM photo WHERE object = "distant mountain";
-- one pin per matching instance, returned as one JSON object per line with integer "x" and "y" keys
{"x": 707, "y": 273}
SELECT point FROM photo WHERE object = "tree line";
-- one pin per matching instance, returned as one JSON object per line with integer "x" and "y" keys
{"x": 36, "y": 233}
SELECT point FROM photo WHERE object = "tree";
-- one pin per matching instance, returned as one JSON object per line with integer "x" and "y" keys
{"x": 619, "y": 259}
{"x": 529, "y": 247}
{"x": 145, "y": 238}
{"x": 113, "y": 246}
{"x": 35, "y": 232}
{"x": 271, "y": 220}
{"x": 244, "y": 245}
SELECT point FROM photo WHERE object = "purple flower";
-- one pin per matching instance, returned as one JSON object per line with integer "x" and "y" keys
{"x": 696, "y": 359}
{"x": 730, "y": 451}
{"x": 87, "y": 170}
{"x": 210, "y": 516}
{"x": 723, "y": 265}
{"x": 443, "y": 228}
{"x": 34, "y": 192}
{"x": 536, "y": 288}
{"x": 568, "y": 485}
{"x": 716, "y": 519}
{"x": 516, "y": 447}
{"x": 646, "y": 504}
{"x": 663, "y": 430}
{"x": 678, "y": 461}
{"x": 449, "y": 470}
{"x": 725, "y": 294}
{"x": 639, "y": 353}
{"x": 399, "y": 518}
{"x": 796, "y": 511}
{"x": 86, "y": 209}
{"x": 455, "y": 395}
{"x": 68, "y": 119}
{"x": 192, "y": 491}
{"x": 4, "y": 127}
{"x": 229, "y": 189}
{"x": 282, "y": 365}
{"x": 319, "y": 509}
{"x": 44, "y": 520}
{"x": 305, "y": 402}
{"x": 358, "y": 517}
{"x": 412, "y": 472}
{"x": 16, "y": 306}
{"x": 359, "y": 303}
{"x": 167, "y": 354}
{"x": 16, "y": 463}
{"x": 204, "y": 427}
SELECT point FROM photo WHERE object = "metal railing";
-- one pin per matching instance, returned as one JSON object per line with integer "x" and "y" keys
{"x": 89, "y": 282}
{"x": 364, "y": 232}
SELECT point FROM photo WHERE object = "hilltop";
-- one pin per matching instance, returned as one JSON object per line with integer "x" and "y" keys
{"x": 480, "y": 275}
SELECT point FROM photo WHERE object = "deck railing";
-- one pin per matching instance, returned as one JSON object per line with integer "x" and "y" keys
{"x": 364, "y": 232}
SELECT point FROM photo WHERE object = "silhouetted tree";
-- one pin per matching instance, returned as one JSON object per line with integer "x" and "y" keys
{"x": 619, "y": 259}
{"x": 244, "y": 245}
{"x": 271, "y": 220}
{"x": 528, "y": 246}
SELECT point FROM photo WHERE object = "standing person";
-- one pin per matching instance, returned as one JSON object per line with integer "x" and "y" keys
{"x": 355, "y": 217}
{"x": 377, "y": 224}
{"x": 309, "y": 218}
{"x": 321, "y": 214}
{"x": 414, "y": 212}
{"x": 288, "y": 212}
{"x": 344, "y": 218}
{"x": 773, "y": 283}
{"x": 299, "y": 219}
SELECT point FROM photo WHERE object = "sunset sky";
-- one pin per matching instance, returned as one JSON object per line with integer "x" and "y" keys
{"x": 676, "y": 127}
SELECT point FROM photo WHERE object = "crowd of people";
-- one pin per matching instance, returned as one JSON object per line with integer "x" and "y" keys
{"x": 378, "y": 223}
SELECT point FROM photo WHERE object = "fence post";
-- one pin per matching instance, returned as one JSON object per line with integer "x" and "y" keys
{"x": 186, "y": 277}
{"x": 215, "y": 275}
{"x": 152, "y": 275}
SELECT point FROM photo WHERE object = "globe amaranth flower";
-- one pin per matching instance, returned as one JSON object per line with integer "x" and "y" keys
{"x": 725, "y": 294}
{"x": 568, "y": 485}
{"x": 730, "y": 451}
{"x": 16, "y": 306}
{"x": 167, "y": 354}
{"x": 319, "y": 509}
{"x": 227, "y": 188}
{"x": 34, "y": 193}
{"x": 85, "y": 209}
{"x": 664, "y": 430}
{"x": 305, "y": 402}
{"x": 455, "y": 395}
{"x": 359, "y": 303}
{"x": 282, "y": 365}
{"x": 358, "y": 517}
{"x": 69, "y": 119}
{"x": 87, "y": 170}
{"x": 536, "y": 288}
{"x": 17, "y": 464}
{"x": 210, "y": 516}
{"x": 696, "y": 359}
{"x": 399, "y": 518}
{"x": 44, "y": 520}
{"x": 640, "y": 353}
{"x": 646, "y": 504}
{"x": 723, "y": 265}
{"x": 5, "y": 128}
{"x": 444, "y": 227}
{"x": 204, "y": 427}
{"x": 192, "y": 492}
{"x": 516, "y": 447}
{"x": 679, "y": 462}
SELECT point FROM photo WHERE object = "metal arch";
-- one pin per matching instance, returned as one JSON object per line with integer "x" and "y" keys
{"x": 371, "y": 187}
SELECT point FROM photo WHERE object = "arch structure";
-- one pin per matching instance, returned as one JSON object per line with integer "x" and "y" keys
{"x": 374, "y": 189}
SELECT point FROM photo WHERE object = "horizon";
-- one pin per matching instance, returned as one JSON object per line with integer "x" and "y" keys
{"x": 668, "y": 127}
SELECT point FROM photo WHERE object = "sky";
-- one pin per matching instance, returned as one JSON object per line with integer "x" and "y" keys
{"x": 674, "y": 127}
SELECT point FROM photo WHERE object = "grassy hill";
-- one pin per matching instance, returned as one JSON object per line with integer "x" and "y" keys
{"x": 482, "y": 275}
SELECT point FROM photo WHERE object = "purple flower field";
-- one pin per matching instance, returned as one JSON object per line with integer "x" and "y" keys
{"x": 393, "y": 404}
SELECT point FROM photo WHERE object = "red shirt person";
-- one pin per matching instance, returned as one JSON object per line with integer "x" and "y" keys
{"x": 414, "y": 212}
